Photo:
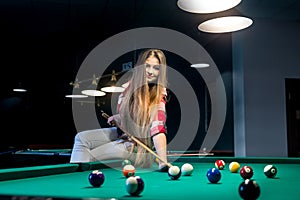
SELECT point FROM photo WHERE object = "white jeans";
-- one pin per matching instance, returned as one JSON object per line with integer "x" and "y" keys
{"x": 98, "y": 144}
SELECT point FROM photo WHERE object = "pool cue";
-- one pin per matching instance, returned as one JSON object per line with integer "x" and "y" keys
{"x": 106, "y": 116}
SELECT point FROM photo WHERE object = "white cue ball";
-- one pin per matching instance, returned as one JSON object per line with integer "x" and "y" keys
{"x": 187, "y": 169}
{"x": 174, "y": 172}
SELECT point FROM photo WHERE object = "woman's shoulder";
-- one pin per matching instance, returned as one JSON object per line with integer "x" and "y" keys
{"x": 164, "y": 91}
{"x": 125, "y": 86}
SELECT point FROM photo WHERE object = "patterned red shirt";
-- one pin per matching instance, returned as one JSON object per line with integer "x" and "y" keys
{"x": 158, "y": 125}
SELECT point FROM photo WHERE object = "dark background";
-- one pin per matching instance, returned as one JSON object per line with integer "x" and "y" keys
{"x": 43, "y": 43}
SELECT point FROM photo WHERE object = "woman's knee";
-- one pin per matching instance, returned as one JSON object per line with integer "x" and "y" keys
{"x": 80, "y": 137}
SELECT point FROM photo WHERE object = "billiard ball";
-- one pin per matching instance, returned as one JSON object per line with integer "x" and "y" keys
{"x": 246, "y": 172}
{"x": 249, "y": 189}
{"x": 187, "y": 169}
{"x": 213, "y": 175}
{"x": 134, "y": 185}
{"x": 234, "y": 167}
{"x": 174, "y": 172}
{"x": 220, "y": 164}
{"x": 126, "y": 162}
{"x": 270, "y": 171}
{"x": 96, "y": 178}
{"x": 128, "y": 170}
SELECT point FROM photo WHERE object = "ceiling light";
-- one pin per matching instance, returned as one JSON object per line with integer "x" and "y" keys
{"x": 200, "y": 65}
{"x": 19, "y": 90}
{"x": 112, "y": 89}
{"x": 91, "y": 90}
{"x": 75, "y": 91}
{"x": 76, "y": 96}
{"x": 125, "y": 85}
{"x": 95, "y": 93}
{"x": 206, "y": 6}
{"x": 225, "y": 24}
{"x": 111, "y": 86}
{"x": 19, "y": 87}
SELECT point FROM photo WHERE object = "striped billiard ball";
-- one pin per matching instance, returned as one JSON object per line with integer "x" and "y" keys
{"x": 270, "y": 171}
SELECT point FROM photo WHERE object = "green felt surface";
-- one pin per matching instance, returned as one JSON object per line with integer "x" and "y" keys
{"x": 158, "y": 185}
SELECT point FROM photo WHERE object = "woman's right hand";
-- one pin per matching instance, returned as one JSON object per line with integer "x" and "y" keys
{"x": 112, "y": 120}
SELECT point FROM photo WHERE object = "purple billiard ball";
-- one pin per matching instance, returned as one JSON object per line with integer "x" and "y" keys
{"x": 213, "y": 175}
{"x": 134, "y": 185}
{"x": 96, "y": 178}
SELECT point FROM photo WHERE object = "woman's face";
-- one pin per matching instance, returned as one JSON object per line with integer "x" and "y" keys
{"x": 152, "y": 69}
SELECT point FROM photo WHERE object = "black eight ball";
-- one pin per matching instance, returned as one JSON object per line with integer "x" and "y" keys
{"x": 249, "y": 190}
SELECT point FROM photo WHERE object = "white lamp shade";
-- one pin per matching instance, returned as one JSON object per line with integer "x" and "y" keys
{"x": 76, "y": 96}
{"x": 112, "y": 89}
{"x": 206, "y": 6}
{"x": 95, "y": 93}
{"x": 200, "y": 65}
{"x": 19, "y": 90}
{"x": 225, "y": 24}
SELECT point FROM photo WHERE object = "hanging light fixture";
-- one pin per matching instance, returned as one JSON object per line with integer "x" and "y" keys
{"x": 200, "y": 65}
{"x": 95, "y": 93}
{"x": 92, "y": 91}
{"x": 75, "y": 92}
{"x": 206, "y": 6}
{"x": 111, "y": 86}
{"x": 225, "y": 24}
{"x": 216, "y": 25}
{"x": 19, "y": 88}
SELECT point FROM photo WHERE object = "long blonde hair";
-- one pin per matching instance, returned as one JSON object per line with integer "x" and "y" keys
{"x": 140, "y": 103}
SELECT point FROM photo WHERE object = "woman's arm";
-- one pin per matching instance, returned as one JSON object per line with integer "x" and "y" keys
{"x": 160, "y": 144}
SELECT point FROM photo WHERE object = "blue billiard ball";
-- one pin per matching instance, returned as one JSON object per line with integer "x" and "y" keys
{"x": 96, "y": 178}
{"x": 213, "y": 175}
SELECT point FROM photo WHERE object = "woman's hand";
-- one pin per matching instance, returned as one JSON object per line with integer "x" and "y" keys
{"x": 112, "y": 120}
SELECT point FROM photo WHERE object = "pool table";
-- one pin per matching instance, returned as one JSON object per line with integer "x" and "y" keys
{"x": 70, "y": 181}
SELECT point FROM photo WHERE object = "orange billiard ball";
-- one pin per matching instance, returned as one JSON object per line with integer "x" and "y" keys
{"x": 128, "y": 170}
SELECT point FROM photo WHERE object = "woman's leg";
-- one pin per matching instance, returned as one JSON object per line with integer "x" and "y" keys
{"x": 118, "y": 149}
{"x": 87, "y": 141}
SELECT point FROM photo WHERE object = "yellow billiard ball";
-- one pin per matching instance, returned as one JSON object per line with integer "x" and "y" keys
{"x": 234, "y": 167}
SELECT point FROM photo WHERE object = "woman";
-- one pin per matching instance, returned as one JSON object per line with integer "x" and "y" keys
{"x": 141, "y": 112}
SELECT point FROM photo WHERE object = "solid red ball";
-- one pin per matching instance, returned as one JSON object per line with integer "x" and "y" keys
{"x": 246, "y": 172}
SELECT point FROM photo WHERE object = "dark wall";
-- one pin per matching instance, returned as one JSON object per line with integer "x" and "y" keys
{"x": 44, "y": 43}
